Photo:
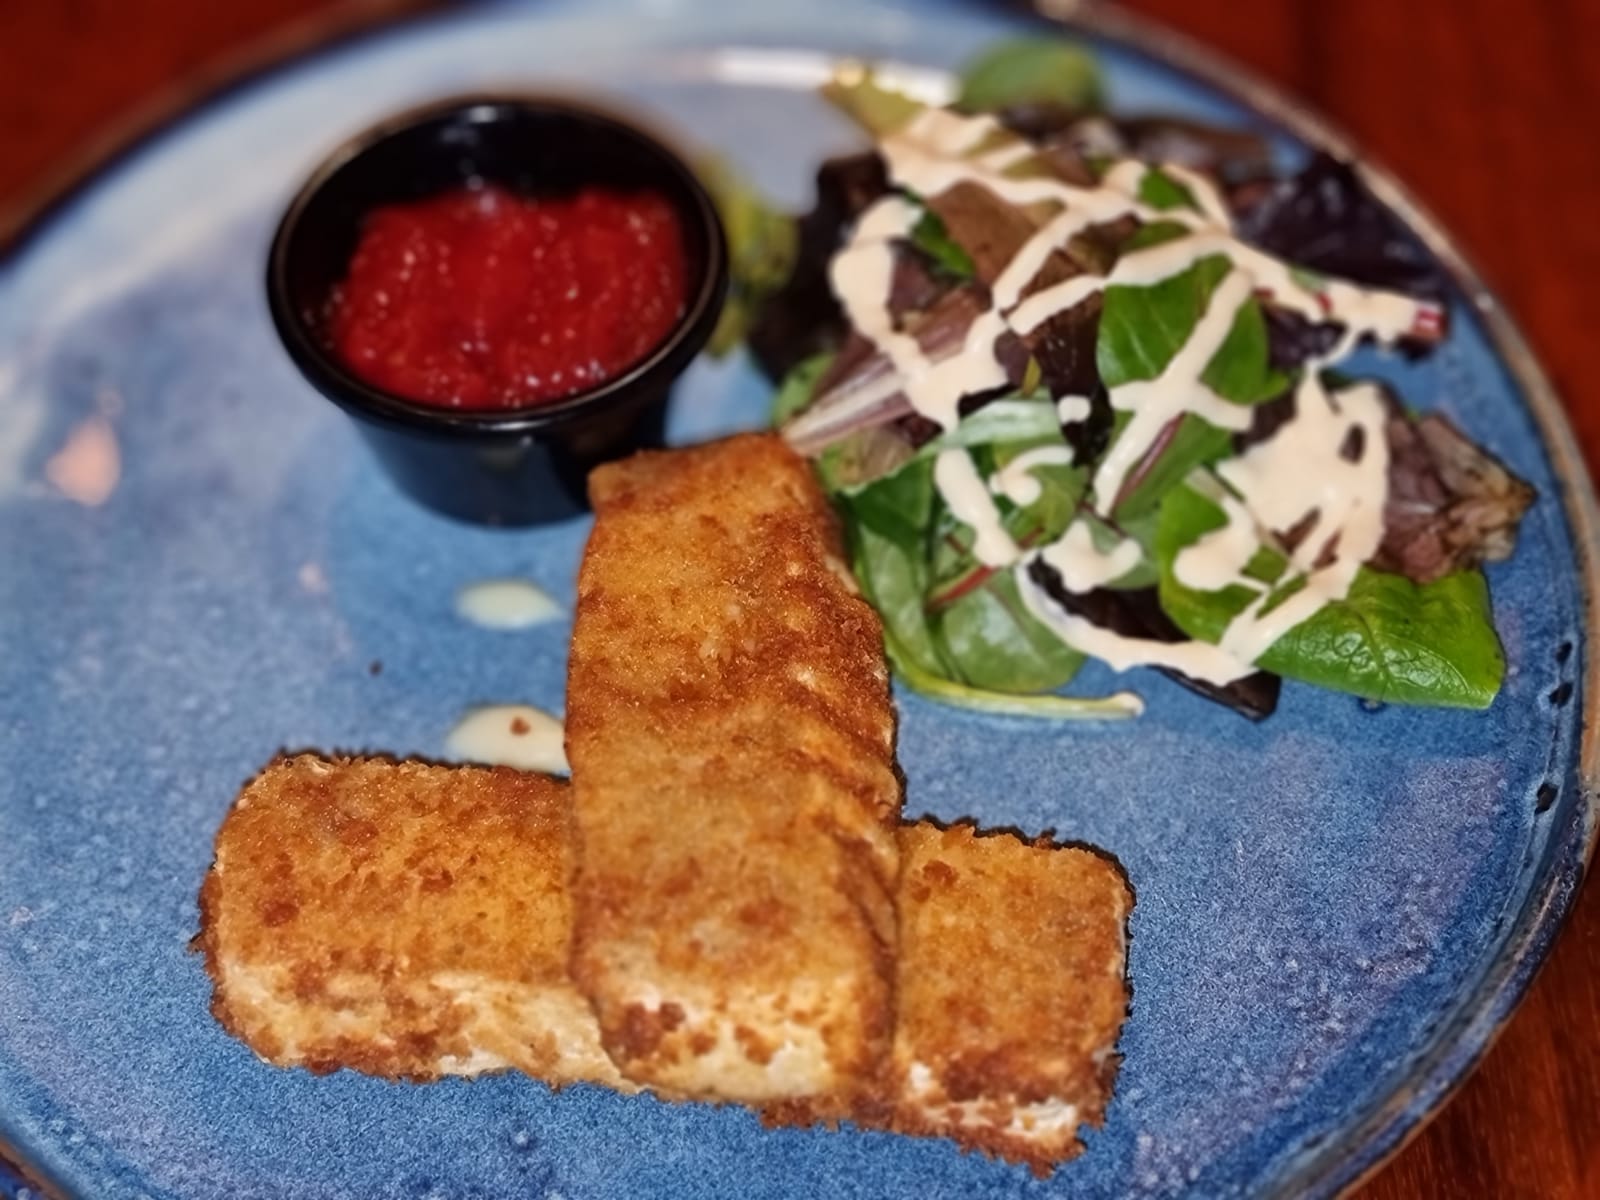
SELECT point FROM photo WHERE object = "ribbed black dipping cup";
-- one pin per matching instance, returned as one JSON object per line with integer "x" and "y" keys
{"x": 517, "y": 466}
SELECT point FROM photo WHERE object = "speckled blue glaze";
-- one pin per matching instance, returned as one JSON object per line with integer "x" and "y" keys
{"x": 1335, "y": 908}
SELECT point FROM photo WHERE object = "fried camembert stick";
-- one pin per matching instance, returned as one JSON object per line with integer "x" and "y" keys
{"x": 1011, "y": 991}
{"x": 399, "y": 919}
{"x": 731, "y": 737}
{"x": 412, "y": 920}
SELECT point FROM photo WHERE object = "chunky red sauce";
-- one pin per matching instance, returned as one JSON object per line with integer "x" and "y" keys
{"x": 482, "y": 299}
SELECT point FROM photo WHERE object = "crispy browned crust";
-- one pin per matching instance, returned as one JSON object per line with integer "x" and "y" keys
{"x": 1011, "y": 992}
{"x": 349, "y": 886}
{"x": 731, "y": 735}
{"x": 398, "y": 919}
{"x": 1012, "y": 985}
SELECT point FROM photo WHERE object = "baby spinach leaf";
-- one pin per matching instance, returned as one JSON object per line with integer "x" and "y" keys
{"x": 1241, "y": 370}
{"x": 1119, "y": 706}
{"x": 1046, "y": 518}
{"x": 1396, "y": 641}
{"x": 1016, "y": 428}
{"x": 1196, "y": 442}
{"x": 1142, "y": 529}
{"x": 1154, "y": 233}
{"x": 950, "y": 560}
{"x": 1143, "y": 328}
{"x": 990, "y": 640}
{"x": 907, "y": 546}
{"x": 888, "y": 525}
{"x": 931, "y": 237}
{"x": 1031, "y": 70}
{"x": 1020, "y": 419}
{"x": 1389, "y": 639}
{"x": 1160, "y": 191}
{"x": 1185, "y": 516}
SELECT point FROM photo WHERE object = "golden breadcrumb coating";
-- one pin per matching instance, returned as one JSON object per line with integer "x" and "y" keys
{"x": 1010, "y": 995}
{"x": 412, "y": 920}
{"x": 742, "y": 914}
{"x": 731, "y": 735}
{"x": 1011, "y": 991}
{"x": 399, "y": 919}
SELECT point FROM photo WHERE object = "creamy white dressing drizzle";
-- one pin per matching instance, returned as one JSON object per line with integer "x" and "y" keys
{"x": 1155, "y": 403}
{"x": 956, "y": 476}
{"x": 1072, "y": 409}
{"x": 1008, "y": 155}
{"x": 1198, "y": 660}
{"x": 505, "y": 604}
{"x": 862, "y": 275}
{"x": 1057, "y": 298}
{"x": 1083, "y": 565}
{"x": 1275, "y": 484}
{"x": 1016, "y": 480}
{"x": 1296, "y": 474}
{"x": 510, "y": 735}
{"x": 1220, "y": 557}
{"x": 1026, "y": 263}
{"x": 1205, "y": 193}
{"x": 1150, "y": 265}
{"x": 929, "y": 157}
{"x": 1301, "y": 468}
{"x": 1387, "y": 316}
{"x": 1125, "y": 176}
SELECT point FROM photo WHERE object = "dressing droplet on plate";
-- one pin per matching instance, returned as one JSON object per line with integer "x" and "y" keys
{"x": 506, "y": 604}
{"x": 510, "y": 735}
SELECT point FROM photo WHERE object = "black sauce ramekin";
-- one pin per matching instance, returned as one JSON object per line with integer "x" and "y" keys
{"x": 515, "y": 466}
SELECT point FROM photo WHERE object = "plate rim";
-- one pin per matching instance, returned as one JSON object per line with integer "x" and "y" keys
{"x": 1479, "y": 1014}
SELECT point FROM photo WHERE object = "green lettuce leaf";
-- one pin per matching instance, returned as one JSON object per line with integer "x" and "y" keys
{"x": 1389, "y": 640}
{"x": 888, "y": 524}
{"x": 1061, "y": 488}
{"x": 1022, "y": 422}
{"x": 1117, "y": 707}
{"x": 990, "y": 640}
{"x": 931, "y": 237}
{"x": 1018, "y": 428}
{"x": 979, "y": 646}
{"x": 1160, "y": 191}
{"x": 1196, "y": 442}
{"x": 1033, "y": 70}
{"x": 1143, "y": 328}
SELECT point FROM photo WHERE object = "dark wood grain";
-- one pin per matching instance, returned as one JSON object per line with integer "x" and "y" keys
{"x": 1485, "y": 108}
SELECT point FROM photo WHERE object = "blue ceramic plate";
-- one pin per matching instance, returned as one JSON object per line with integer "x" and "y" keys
{"x": 1336, "y": 908}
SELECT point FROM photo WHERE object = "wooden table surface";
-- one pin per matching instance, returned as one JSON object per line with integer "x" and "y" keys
{"x": 1483, "y": 107}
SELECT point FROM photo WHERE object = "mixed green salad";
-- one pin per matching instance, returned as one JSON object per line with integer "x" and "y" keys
{"x": 1076, "y": 383}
